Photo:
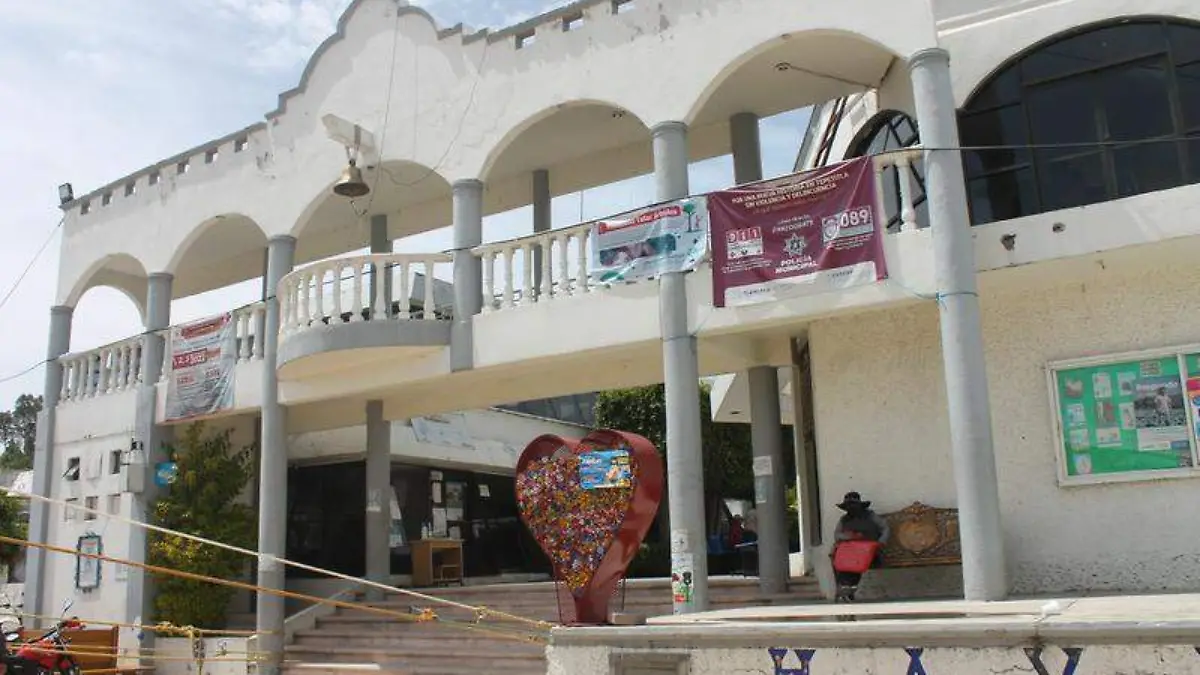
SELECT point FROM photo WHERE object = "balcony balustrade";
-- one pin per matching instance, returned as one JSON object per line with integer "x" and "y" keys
{"x": 377, "y": 287}
{"x": 564, "y": 256}
{"x": 115, "y": 368}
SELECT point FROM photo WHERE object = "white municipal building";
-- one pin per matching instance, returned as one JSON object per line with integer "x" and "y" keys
{"x": 1025, "y": 368}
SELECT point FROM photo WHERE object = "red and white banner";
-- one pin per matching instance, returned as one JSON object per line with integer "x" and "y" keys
{"x": 803, "y": 234}
{"x": 202, "y": 359}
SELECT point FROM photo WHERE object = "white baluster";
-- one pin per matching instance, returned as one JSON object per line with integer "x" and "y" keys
{"x": 305, "y": 300}
{"x": 64, "y": 391}
{"x": 287, "y": 306}
{"x": 430, "y": 310}
{"x": 259, "y": 320}
{"x": 135, "y": 361}
{"x": 89, "y": 382}
{"x": 356, "y": 307}
{"x": 581, "y": 274}
{"x": 564, "y": 264}
{"x": 546, "y": 242}
{"x": 403, "y": 296}
{"x": 76, "y": 378}
{"x": 123, "y": 368}
{"x": 336, "y": 317}
{"x": 379, "y": 303}
{"x": 508, "y": 276}
{"x": 241, "y": 328}
{"x": 106, "y": 371}
{"x": 319, "y": 290}
{"x": 489, "y": 281}
{"x": 131, "y": 364}
{"x": 908, "y": 214}
{"x": 528, "y": 295}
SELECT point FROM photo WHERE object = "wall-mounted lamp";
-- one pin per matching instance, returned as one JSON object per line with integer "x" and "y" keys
{"x": 66, "y": 193}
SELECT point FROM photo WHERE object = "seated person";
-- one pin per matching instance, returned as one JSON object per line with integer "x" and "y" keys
{"x": 859, "y": 522}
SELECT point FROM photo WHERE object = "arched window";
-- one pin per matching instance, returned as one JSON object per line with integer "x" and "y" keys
{"x": 893, "y": 130}
{"x": 1122, "y": 103}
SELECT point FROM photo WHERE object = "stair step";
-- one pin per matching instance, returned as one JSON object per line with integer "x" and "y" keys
{"x": 351, "y": 642}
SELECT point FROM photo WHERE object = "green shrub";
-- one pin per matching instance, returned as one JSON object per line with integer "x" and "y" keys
{"x": 203, "y": 501}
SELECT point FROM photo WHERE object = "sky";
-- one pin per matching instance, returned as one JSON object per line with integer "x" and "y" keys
{"x": 92, "y": 90}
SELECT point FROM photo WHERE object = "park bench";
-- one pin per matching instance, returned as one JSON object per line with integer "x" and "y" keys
{"x": 922, "y": 536}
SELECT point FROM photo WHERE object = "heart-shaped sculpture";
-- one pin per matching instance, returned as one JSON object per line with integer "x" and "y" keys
{"x": 589, "y": 504}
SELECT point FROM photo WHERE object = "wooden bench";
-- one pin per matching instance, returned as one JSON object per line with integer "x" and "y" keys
{"x": 95, "y": 650}
{"x": 922, "y": 536}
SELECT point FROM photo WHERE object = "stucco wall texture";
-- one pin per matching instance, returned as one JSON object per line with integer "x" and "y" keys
{"x": 880, "y": 407}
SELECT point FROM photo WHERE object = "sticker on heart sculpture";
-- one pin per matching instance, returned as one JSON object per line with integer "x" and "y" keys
{"x": 589, "y": 504}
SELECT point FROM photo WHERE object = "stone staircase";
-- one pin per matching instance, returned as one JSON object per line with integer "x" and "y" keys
{"x": 355, "y": 642}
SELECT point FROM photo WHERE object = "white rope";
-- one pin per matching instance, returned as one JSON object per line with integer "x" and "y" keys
{"x": 269, "y": 558}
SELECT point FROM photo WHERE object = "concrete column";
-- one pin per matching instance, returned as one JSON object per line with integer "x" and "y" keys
{"x": 272, "y": 505}
{"x": 150, "y": 437}
{"x": 766, "y": 429}
{"x": 44, "y": 468}
{"x": 766, "y": 438}
{"x": 379, "y": 486}
{"x": 808, "y": 493}
{"x": 541, "y": 219}
{"x": 747, "y": 150}
{"x": 468, "y": 270}
{"x": 681, "y": 374}
{"x": 381, "y": 243}
{"x": 984, "y": 574}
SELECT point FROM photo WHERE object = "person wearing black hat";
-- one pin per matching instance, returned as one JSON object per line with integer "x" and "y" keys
{"x": 859, "y": 522}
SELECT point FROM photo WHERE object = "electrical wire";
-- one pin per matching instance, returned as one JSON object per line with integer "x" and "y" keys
{"x": 23, "y": 373}
{"x": 32, "y": 262}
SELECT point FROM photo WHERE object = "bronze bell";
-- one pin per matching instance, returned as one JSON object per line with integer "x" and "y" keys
{"x": 351, "y": 184}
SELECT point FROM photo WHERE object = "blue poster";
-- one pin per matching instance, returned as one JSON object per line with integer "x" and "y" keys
{"x": 165, "y": 473}
{"x": 605, "y": 469}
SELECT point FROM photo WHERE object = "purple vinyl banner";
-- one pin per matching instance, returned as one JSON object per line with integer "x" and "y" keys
{"x": 803, "y": 234}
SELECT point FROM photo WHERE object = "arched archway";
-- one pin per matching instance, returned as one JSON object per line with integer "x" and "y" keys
{"x": 416, "y": 198}
{"x": 1105, "y": 111}
{"x": 121, "y": 272}
{"x": 582, "y": 143}
{"x": 893, "y": 130}
{"x": 792, "y": 71}
{"x": 223, "y": 250}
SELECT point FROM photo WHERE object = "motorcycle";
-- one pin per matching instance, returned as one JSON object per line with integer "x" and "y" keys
{"x": 46, "y": 655}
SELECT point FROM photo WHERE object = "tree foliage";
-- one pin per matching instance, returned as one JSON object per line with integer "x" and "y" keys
{"x": 203, "y": 501}
{"x": 726, "y": 447}
{"x": 11, "y": 525}
{"x": 18, "y": 432}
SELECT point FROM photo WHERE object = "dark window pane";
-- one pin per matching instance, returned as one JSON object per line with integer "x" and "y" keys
{"x": 1146, "y": 167}
{"x": 1185, "y": 43}
{"x": 1003, "y": 89}
{"x": 1002, "y": 196}
{"x": 1063, "y": 112}
{"x": 1192, "y": 148}
{"x": 1189, "y": 94}
{"x": 905, "y": 130}
{"x": 1093, "y": 49}
{"x": 1004, "y": 126}
{"x": 1136, "y": 101}
{"x": 1072, "y": 182}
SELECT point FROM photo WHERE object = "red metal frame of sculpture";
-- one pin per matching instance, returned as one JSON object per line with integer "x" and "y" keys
{"x": 591, "y": 535}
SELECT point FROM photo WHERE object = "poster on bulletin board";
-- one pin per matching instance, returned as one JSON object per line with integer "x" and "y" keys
{"x": 1127, "y": 418}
